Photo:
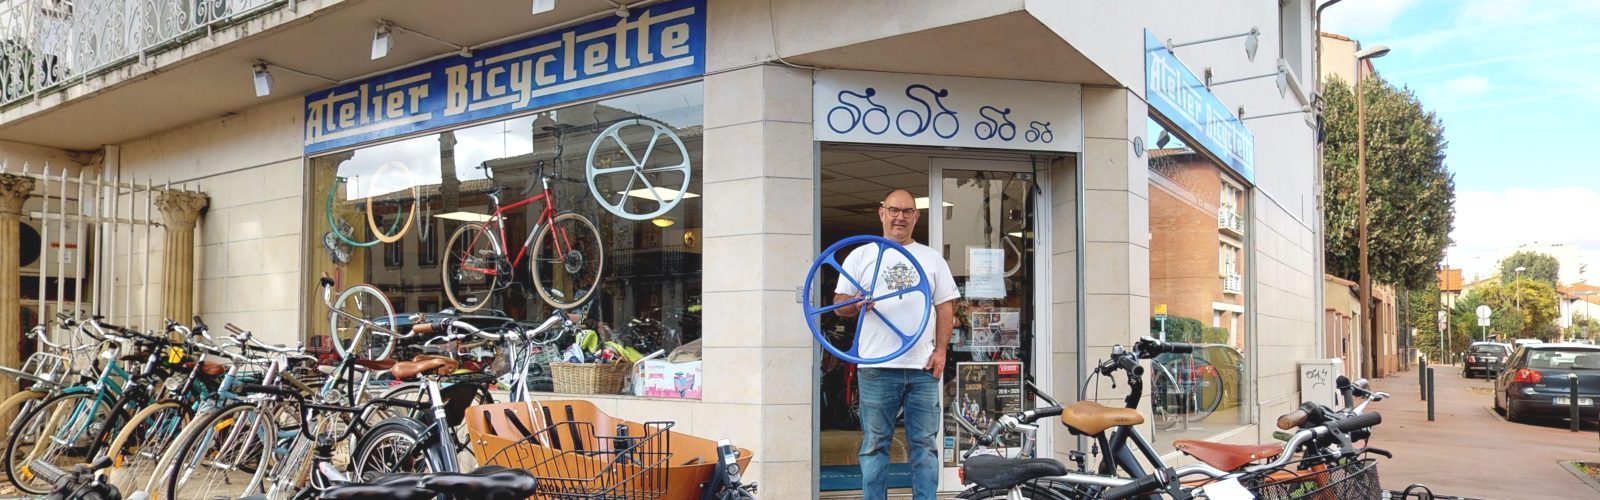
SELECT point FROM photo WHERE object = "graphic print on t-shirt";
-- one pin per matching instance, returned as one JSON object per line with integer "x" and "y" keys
{"x": 899, "y": 277}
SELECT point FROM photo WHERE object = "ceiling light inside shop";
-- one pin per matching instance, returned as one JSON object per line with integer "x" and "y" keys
{"x": 465, "y": 216}
{"x": 663, "y": 222}
{"x": 665, "y": 194}
{"x": 922, "y": 203}
{"x": 1017, "y": 234}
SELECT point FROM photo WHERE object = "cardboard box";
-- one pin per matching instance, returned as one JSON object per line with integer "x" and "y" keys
{"x": 663, "y": 379}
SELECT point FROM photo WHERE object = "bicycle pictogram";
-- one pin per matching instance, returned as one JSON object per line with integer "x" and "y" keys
{"x": 874, "y": 119}
{"x": 912, "y": 123}
{"x": 992, "y": 126}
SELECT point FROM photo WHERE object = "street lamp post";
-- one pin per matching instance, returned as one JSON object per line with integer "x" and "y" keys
{"x": 1371, "y": 339}
{"x": 1521, "y": 323}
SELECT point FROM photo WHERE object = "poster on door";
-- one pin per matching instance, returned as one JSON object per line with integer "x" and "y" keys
{"x": 984, "y": 392}
{"x": 985, "y": 273}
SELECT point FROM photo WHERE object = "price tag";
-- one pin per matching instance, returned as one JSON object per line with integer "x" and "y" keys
{"x": 174, "y": 355}
{"x": 1227, "y": 490}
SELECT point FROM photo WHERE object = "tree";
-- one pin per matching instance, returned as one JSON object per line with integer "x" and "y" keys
{"x": 1424, "y": 318}
{"x": 1536, "y": 265}
{"x": 1525, "y": 308}
{"x": 1583, "y": 326}
{"x": 1411, "y": 195}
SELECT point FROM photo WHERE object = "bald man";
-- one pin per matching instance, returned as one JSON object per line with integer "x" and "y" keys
{"x": 911, "y": 381}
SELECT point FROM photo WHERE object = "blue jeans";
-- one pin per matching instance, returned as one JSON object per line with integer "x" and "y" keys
{"x": 883, "y": 392}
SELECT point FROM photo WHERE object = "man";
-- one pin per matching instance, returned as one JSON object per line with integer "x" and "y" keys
{"x": 910, "y": 381}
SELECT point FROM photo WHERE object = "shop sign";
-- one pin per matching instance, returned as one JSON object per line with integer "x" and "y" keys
{"x": 653, "y": 45}
{"x": 946, "y": 111}
{"x": 1178, "y": 96}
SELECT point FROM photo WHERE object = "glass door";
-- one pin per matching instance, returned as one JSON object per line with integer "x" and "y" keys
{"x": 982, "y": 217}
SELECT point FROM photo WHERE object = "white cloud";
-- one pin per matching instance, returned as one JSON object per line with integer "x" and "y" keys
{"x": 1363, "y": 18}
{"x": 1490, "y": 225}
{"x": 1467, "y": 86}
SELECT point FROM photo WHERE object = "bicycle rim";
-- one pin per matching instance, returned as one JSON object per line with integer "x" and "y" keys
{"x": 142, "y": 442}
{"x": 57, "y": 432}
{"x": 354, "y": 338}
{"x": 567, "y": 261}
{"x": 225, "y": 457}
{"x": 384, "y": 450}
{"x": 333, "y": 223}
{"x": 471, "y": 245}
{"x": 391, "y": 235}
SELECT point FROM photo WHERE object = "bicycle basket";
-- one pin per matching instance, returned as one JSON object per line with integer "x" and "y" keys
{"x": 578, "y": 452}
{"x": 1355, "y": 479}
{"x": 41, "y": 368}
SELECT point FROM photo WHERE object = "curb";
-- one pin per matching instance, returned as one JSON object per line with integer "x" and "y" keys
{"x": 1587, "y": 479}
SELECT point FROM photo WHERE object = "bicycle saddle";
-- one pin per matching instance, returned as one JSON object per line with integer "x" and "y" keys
{"x": 395, "y": 488}
{"x": 489, "y": 482}
{"x": 1227, "y": 456}
{"x": 374, "y": 364}
{"x": 407, "y": 370}
{"x": 208, "y": 368}
{"x": 998, "y": 473}
{"x": 1088, "y": 417}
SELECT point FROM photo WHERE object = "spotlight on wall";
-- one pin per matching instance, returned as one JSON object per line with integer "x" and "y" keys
{"x": 1282, "y": 74}
{"x": 381, "y": 41}
{"x": 262, "y": 77}
{"x": 543, "y": 6}
{"x": 1163, "y": 139}
{"x": 1252, "y": 41}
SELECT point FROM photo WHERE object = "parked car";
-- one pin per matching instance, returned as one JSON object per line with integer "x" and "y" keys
{"x": 1535, "y": 381}
{"x": 1522, "y": 342}
{"x": 1487, "y": 358}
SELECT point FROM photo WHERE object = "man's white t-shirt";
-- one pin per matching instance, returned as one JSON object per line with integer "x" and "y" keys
{"x": 905, "y": 311}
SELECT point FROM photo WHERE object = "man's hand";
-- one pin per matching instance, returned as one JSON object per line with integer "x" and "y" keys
{"x": 852, "y": 310}
{"x": 935, "y": 364}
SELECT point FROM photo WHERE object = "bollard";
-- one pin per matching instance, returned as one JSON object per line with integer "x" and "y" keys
{"x": 1572, "y": 399}
{"x": 1422, "y": 377}
{"x": 1430, "y": 394}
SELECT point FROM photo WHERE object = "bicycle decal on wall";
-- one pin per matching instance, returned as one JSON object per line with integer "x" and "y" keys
{"x": 924, "y": 111}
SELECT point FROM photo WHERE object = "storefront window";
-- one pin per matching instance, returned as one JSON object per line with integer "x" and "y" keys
{"x": 1197, "y": 276}
{"x": 646, "y": 292}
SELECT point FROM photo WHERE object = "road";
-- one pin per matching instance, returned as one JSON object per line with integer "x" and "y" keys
{"x": 1469, "y": 450}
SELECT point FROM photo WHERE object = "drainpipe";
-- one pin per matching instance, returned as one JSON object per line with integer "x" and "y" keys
{"x": 1322, "y": 230}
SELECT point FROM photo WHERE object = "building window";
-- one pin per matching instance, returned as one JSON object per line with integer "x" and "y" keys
{"x": 1293, "y": 19}
{"x": 423, "y": 189}
{"x": 1196, "y": 269}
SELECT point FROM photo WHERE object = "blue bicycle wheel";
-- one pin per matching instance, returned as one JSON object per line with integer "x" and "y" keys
{"x": 814, "y": 311}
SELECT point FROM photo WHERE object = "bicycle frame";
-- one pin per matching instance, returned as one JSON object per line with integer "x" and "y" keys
{"x": 562, "y": 241}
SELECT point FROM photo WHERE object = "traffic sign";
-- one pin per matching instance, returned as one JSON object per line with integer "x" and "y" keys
{"x": 1483, "y": 315}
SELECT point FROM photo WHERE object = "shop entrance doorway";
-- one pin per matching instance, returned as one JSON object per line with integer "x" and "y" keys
{"x": 979, "y": 211}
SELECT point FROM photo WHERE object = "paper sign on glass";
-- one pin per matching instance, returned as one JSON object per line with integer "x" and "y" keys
{"x": 985, "y": 273}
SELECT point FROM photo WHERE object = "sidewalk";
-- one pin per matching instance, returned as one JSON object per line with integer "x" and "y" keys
{"x": 1469, "y": 450}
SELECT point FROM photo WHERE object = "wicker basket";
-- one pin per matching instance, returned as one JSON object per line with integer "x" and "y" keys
{"x": 588, "y": 378}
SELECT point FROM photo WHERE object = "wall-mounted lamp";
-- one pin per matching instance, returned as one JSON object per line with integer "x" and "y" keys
{"x": 543, "y": 6}
{"x": 383, "y": 39}
{"x": 1282, "y": 73}
{"x": 263, "y": 78}
{"x": 1303, "y": 109}
{"x": 1252, "y": 41}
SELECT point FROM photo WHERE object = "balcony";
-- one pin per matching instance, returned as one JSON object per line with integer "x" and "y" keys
{"x": 1232, "y": 283}
{"x": 1230, "y": 222}
{"x": 47, "y": 45}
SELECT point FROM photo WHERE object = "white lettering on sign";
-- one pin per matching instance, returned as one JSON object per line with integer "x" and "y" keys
{"x": 889, "y": 108}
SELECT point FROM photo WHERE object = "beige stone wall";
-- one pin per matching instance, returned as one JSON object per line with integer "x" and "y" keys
{"x": 248, "y": 264}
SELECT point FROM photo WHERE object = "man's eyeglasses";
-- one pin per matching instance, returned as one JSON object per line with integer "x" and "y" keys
{"x": 897, "y": 211}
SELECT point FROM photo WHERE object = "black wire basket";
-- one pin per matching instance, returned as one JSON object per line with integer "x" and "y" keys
{"x": 1356, "y": 479}
{"x": 573, "y": 460}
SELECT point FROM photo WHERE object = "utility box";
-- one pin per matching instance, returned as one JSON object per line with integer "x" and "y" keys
{"x": 1318, "y": 381}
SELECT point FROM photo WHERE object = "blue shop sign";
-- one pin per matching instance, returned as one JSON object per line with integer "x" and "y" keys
{"x": 1175, "y": 93}
{"x": 659, "y": 44}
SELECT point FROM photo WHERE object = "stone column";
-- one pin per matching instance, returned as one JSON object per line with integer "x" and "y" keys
{"x": 14, "y": 191}
{"x": 179, "y": 211}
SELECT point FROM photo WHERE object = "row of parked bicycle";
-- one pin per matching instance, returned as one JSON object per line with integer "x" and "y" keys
{"x": 197, "y": 414}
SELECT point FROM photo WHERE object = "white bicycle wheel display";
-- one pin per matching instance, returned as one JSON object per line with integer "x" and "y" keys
{"x": 638, "y": 168}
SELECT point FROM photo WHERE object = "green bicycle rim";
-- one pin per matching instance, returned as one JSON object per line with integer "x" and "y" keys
{"x": 333, "y": 225}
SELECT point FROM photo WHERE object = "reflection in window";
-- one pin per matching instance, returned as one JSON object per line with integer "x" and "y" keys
{"x": 1197, "y": 249}
{"x": 649, "y": 296}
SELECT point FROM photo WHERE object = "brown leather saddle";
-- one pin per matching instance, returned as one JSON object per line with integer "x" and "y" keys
{"x": 422, "y": 365}
{"x": 1090, "y": 418}
{"x": 1227, "y": 456}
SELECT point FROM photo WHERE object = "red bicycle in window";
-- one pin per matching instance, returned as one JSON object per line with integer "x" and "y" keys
{"x": 566, "y": 260}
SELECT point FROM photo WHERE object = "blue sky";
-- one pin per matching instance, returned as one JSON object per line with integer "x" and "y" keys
{"x": 1517, "y": 85}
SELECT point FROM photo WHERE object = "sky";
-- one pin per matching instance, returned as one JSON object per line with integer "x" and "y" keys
{"x": 1517, "y": 85}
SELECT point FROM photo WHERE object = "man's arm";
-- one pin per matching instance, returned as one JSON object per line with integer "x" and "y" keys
{"x": 944, "y": 320}
{"x": 849, "y": 311}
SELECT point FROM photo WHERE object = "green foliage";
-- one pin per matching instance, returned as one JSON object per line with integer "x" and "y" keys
{"x": 1182, "y": 329}
{"x": 1537, "y": 266}
{"x": 1425, "y": 306}
{"x": 1525, "y": 308}
{"x": 1411, "y": 194}
{"x": 1213, "y": 335}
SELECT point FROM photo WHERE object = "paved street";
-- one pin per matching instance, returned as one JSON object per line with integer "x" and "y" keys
{"x": 1469, "y": 450}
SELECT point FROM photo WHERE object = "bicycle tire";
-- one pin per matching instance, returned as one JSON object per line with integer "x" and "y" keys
{"x": 19, "y": 404}
{"x": 178, "y": 476}
{"x": 373, "y": 349}
{"x": 578, "y": 250}
{"x": 1207, "y": 378}
{"x": 47, "y": 409}
{"x": 333, "y": 224}
{"x": 416, "y": 199}
{"x": 455, "y": 255}
{"x": 166, "y": 421}
{"x": 398, "y": 434}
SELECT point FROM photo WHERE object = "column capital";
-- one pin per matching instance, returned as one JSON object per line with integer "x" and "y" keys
{"x": 14, "y": 190}
{"x": 180, "y": 209}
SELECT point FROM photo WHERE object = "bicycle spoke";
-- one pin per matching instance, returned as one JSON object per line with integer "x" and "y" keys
{"x": 898, "y": 293}
{"x": 651, "y": 187}
{"x": 681, "y": 167}
{"x": 837, "y": 305}
{"x": 891, "y": 326}
{"x": 833, "y": 261}
{"x": 611, "y": 170}
{"x": 655, "y": 136}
